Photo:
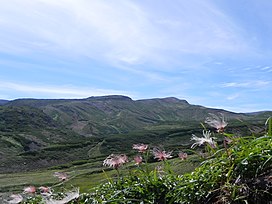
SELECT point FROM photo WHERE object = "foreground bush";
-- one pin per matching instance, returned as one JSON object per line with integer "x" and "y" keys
{"x": 238, "y": 172}
{"x": 242, "y": 174}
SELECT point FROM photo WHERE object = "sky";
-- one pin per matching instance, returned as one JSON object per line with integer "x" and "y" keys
{"x": 215, "y": 53}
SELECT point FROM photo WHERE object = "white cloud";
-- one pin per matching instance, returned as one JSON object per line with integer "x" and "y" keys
{"x": 233, "y": 96}
{"x": 97, "y": 29}
{"x": 47, "y": 91}
{"x": 249, "y": 84}
{"x": 126, "y": 32}
{"x": 265, "y": 68}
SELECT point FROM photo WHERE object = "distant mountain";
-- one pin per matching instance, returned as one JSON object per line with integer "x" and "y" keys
{"x": 2, "y": 102}
{"x": 118, "y": 114}
{"x": 37, "y": 133}
{"x": 263, "y": 113}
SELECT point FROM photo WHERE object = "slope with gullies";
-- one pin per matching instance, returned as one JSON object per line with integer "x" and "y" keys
{"x": 38, "y": 133}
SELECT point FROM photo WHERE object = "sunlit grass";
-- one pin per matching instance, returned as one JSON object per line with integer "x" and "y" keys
{"x": 237, "y": 170}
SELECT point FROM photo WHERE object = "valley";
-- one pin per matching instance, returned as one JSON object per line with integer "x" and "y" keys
{"x": 42, "y": 136}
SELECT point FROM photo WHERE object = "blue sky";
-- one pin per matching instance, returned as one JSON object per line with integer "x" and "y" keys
{"x": 216, "y": 53}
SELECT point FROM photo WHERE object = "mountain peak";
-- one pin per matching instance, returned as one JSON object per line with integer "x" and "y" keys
{"x": 110, "y": 97}
{"x": 174, "y": 100}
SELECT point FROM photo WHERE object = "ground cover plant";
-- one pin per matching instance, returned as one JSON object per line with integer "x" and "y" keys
{"x": 233, "y": 169}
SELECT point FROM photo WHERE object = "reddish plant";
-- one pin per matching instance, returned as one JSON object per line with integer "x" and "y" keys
{"x": 115, "y": 161}
{"x": 30, "y": 189}
{"x": 183, "y": 155}
{"x": 138, "y": 160}
{"x": 161, "y": 155}
{"x": 140, "y": 147}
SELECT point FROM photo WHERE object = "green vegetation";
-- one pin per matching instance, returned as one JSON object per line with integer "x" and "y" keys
{"x": 240, "y": 172}
{"x": 233, "y": 169}
{"x": 40, "y": 137}
{"x": 36, "y": 134}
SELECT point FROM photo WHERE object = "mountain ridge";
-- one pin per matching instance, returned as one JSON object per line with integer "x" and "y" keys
{"x": 40, "y": 101}
{"x": 119, "y": 108}
{"x": 113, "y": 114}
{"x": 46, "y": 132}
{"x": 3, "y": 101}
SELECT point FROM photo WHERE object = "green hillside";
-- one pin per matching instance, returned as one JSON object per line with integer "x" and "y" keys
{"x": 119, "y": 114}
{"x": 39, "y": 133}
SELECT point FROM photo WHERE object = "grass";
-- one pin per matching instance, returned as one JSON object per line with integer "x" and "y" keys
{"x": 238, "y": 172}
{"x": 85, "y": 176}
{"x": 234, "y": 172}
{"x": 15, "y": 182}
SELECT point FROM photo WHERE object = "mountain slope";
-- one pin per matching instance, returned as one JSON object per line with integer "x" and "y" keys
{"x": 28, "y": 131}
{"x": 118, "y": 114}
{"x": 36, "y": 133}
{"x": 2, "y": 102}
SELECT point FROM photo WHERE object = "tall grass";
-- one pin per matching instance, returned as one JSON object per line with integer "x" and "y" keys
{"x": 236, "y": 170}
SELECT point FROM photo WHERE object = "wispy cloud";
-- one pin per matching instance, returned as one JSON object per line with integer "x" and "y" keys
{"x": 233, "y": 96}
{"x": 97, "y": 29}
{"x": 249, "y": 84}
{"x": 267, "y": 69}
{"x": 123, "y": 32}
{"x": 47, "y": 91}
